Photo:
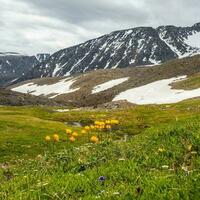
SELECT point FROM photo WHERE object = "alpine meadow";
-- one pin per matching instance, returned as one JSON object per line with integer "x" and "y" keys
{"x": 99, "y": 100}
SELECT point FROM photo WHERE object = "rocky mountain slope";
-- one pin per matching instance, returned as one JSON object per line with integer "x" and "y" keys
{"x": 103, "y": 86}
{"x": 14, "y": 65}
{"x": 119, "y": 49}
{"x": 12, "y": 98}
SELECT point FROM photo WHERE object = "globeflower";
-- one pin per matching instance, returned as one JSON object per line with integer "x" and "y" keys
{"x": 72, "y": 139}
{"x": 75, "y": 134}
{"x": 47, "y": 138}
{"x": 87, "y": 128}
{"x": 108, "y": 126}
{"x": 102, "y": 123}
{"x": 68, "y": 131}
{"x": 55, "y": 138}
{"x": 94, "y": 139}
{"x": 114, "y": 121}
{"x": 92, "y": 127}
{"x": 108, "y": 122}
{"x": 83, "y": 131}
{"x": 96, "y": 122}
{"x": 102, "y": 127}
{"x": 97, "y": 126}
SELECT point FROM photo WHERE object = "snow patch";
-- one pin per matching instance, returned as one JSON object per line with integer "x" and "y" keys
{"x": 108, "y": 85}
{"x": 57, "y": 68}
{"x": 8, "y": 62}
{"x": 62, "y": 110}
{"x": 158, "y": 92}
{"x": 61, "y": 87}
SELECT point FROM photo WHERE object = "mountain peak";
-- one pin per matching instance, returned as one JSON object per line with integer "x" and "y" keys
{"x": 119, "y": 49}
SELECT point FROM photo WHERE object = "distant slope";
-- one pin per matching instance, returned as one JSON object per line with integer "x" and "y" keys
{"x": 14, "y": 65}
{"x": 11, "y": 98}
{"x": 119, "y": 49}
{"x": 158, "y": 92}
{"x": 192, "y": 82}
{"x": 103, "y": 86}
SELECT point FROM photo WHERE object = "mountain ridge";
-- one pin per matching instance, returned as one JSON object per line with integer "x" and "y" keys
{"x": 13, "y": 65}
{"x": 118, "y": 49}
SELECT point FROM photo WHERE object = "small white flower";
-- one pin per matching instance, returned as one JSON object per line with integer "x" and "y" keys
{"x": 165, "y": 166}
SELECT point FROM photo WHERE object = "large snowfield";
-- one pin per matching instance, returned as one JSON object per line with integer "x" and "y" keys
{"x": 61, "y": 87}
{"x": 158, "y": 92}
{"x": 108, "y": 85}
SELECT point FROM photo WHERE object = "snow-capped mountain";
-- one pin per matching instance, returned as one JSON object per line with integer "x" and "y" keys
{"x": 119, "y": 49}
{"x": 13, "y": 65}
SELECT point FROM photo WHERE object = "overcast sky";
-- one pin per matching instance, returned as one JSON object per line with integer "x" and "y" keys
{"x": 37, "y": 26}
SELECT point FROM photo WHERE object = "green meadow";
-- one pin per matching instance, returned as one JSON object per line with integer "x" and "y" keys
{"x": 153, "y": 153}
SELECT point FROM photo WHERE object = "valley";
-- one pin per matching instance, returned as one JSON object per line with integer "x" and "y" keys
{"x": 116, "y": 117}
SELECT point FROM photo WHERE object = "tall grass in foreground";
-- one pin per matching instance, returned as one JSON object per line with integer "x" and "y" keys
{"x": 161, "y": 163}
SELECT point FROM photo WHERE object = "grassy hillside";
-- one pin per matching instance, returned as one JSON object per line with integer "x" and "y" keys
{"x": 153, "y": 153}
{"x": 138, "y": 76}
{"x": 192, "y": 82}
{"x": 12, "y": 98}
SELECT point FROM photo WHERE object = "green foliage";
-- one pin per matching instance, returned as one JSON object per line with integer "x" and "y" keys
{"x": 158, "y": 159}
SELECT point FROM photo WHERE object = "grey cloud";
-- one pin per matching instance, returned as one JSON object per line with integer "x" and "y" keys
{"x": 79, "y": 11}
{"x": 48, "y": 25}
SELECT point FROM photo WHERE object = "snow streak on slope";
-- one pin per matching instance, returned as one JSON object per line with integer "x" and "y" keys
{"x": 193, "y": 40}
{"x": 108, "y": 85}
{"x": 53, "y": 90}
{"x": 159, "y": 92}
{"x": 169, "y": 42}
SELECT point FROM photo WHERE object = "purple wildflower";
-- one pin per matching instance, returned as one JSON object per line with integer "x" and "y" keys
{"x": 102, "y": 178}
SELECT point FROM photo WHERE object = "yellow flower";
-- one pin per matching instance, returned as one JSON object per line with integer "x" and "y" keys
{"x": 55, "y": 138}
{"x": 72, "y": 139}
{"x": 108, "y": 122}
{"x": 102, "y": 126}
{"x": 96, "y": 122}
{"x": 114, "y": 121}
{"x": 92, "y": 127}
{"x": 102, "y": 123}
{"x": 83, "y": 131}
{"x": 97, "y": 126}
{"x": 94, "y": 139}
{"x": 75, "y": 134}
{"x": 108, "y": 126}
{"x": 87, "y": 128}
{"x": 68, "y": 131}
{"x": 48, "y": 138}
